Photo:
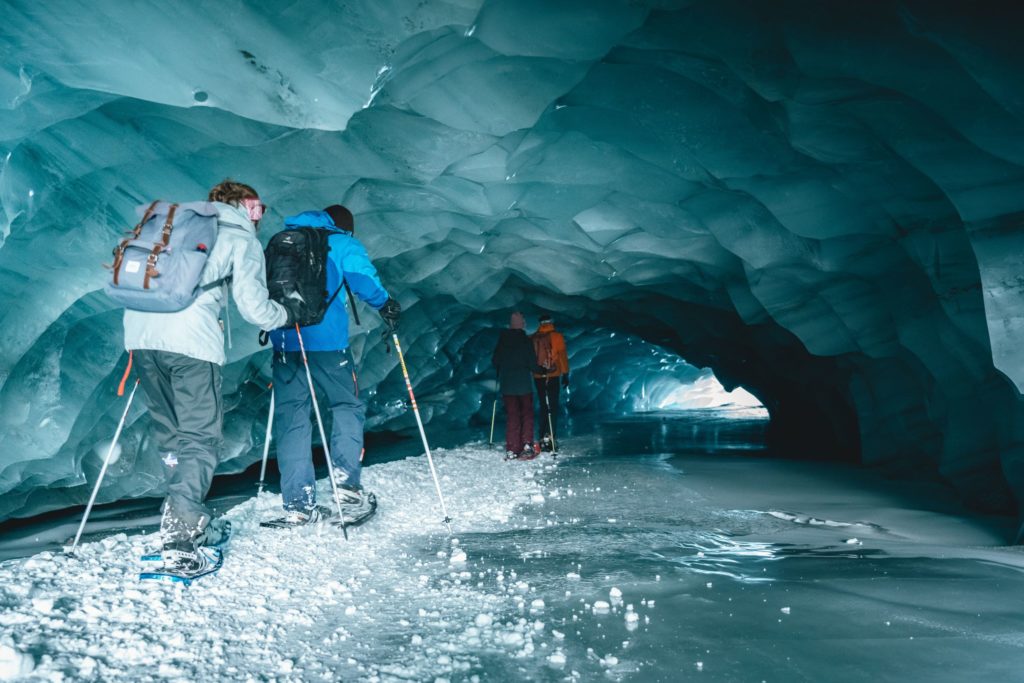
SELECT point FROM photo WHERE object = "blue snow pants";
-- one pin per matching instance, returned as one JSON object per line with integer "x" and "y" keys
{"x": 337, "y": 395}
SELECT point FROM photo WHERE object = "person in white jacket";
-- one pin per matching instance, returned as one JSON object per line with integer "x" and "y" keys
{"x": 179, "y": 357}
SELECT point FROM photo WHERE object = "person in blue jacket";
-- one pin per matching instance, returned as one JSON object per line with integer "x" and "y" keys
{"x": 333, "y": 370}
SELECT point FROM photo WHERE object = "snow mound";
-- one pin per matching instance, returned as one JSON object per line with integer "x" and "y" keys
{"x": 289, "y": 601}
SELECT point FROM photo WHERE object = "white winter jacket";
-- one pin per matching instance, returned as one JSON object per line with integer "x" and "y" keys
{"x": 196, "y": 331}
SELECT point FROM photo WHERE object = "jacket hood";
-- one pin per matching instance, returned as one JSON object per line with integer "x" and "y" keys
{"x": 311, "y": 219}
{"x": 234, "y": 215}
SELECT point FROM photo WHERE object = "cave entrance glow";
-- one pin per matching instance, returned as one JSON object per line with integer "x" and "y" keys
{"x": 617, "y": 373}
{"x": 706, "y": 392}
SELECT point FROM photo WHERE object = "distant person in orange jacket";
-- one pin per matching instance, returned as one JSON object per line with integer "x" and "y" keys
{"x": 549, "y": 346}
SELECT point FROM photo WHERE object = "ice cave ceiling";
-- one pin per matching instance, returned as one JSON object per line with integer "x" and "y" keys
{"x": 821, "y": 201}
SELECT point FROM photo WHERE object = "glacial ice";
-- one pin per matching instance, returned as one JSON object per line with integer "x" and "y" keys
{"x": 820, "y": 205}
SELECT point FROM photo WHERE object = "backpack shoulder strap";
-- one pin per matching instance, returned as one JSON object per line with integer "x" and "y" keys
{"x": 226, "y": 280}
{"x": 344, "y": 283}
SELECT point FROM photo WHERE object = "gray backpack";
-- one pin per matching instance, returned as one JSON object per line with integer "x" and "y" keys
{"x": 157, "y": 267}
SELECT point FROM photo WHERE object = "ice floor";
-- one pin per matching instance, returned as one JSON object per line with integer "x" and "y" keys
{"x": 649, "y": 550}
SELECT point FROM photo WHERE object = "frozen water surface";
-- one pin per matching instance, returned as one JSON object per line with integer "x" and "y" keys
{"x": 643, "y": 552}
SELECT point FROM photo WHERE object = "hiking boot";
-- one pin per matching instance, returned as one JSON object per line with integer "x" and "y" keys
{"x": 303, "y": 517}
{"x": 350, "y": 495}
{"x": 355, "y": 504}
{"x": 185, "y": 559}
{"x": 545, "y": 444}
{"x": 215, "y": 533}
{"x": 341, "y": 478}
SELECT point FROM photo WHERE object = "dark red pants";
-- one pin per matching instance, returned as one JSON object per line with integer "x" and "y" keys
{"x": 518, "y": 421}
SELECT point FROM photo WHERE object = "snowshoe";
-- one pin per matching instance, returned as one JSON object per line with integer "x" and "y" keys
{"x": 185, "y": 566}
{"x": 354, "y": 514}
{"x": 296, "y": 518}
{"x": 216, "y": 535}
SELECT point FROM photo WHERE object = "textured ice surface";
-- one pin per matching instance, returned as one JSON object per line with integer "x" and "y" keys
{"x": 820, "y": 203}
{"x": 701, "y": 576}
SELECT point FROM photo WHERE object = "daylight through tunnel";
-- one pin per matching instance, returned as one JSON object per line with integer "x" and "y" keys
{"x": 749, "y": 187}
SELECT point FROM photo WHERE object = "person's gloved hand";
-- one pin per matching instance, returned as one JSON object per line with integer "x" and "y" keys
{"x": 390, "y": 312}
{"x": 565, "y": 380}
{"x": 294, "y": 310}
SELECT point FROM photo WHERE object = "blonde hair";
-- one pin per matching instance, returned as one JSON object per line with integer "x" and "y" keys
{"x": 230, "y": 192}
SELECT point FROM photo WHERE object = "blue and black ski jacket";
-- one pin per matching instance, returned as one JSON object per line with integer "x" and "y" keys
{"x": 347, "y": 259}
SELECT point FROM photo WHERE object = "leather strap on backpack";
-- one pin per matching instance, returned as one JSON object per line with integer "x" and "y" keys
{"x": 119, "y": 250}
{"x": 151, "y": 271}
{"x": 169, "y": 224}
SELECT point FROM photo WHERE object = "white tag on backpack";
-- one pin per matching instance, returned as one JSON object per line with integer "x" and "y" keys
{"x": 132, "y": 266}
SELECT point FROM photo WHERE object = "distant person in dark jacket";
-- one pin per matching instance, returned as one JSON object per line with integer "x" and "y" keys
{"x": 515, "y": 361}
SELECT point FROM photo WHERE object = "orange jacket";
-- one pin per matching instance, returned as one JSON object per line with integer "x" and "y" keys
{"x": 561, "y": 357}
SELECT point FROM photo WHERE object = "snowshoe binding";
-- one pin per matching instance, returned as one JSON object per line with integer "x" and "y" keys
{"x": 357, "y": 506}
{"x": 186, "y": 564}
{"x": 216, "y": 535}
{"x": 530, "y": 452}
{"x": 296, "y": 518}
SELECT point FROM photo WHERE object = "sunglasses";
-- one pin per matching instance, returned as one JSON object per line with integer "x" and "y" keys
{"x": 255, "y": 208}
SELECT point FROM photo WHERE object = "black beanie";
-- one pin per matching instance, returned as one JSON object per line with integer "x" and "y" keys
{"x": 341, "y": 216}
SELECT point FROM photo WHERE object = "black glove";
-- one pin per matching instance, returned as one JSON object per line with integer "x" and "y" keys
{"x": 565, "y": 380}
{"x": 294, "y": 310}
{"x": 389, "y": 312}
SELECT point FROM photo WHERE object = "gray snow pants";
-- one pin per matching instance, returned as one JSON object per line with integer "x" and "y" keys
{"x": 184, "y": 399}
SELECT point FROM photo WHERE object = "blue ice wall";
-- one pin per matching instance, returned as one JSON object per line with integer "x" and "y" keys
{"x": 822, "y": 202}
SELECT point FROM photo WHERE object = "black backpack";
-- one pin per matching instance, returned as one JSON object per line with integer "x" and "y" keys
{"x": 297, "y": 273}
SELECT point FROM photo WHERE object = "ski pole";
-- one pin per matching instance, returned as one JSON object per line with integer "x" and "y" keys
{"x": 103, "y": 470}
{"x": 323, "y": 436}
{"x": 416, "y": 411}
{"x": 551, "y": 430}
{"x": 266, "y": 439}
{"x": 494, "y": 412}
{"x": 547, "y": 409}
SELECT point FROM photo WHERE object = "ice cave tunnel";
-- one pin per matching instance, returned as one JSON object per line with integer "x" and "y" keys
{"x": 820, "y": 203}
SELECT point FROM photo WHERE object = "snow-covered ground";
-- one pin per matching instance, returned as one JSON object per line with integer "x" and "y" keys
{"x": 601, "y": 564}
{"x": 394, "y": 601}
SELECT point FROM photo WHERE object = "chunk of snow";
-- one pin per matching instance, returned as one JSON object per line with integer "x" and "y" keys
{"x": 14, "y": 663}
